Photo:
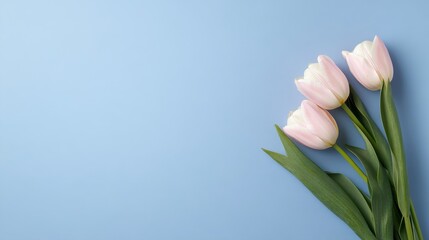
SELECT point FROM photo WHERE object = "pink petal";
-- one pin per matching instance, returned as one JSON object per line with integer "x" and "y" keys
{"x": 335, "y": 78}
{"x": 364, "y": 49}
{"x": 363, "y": 71}
{"x": 319, "y": 122}
{"x": 303, "y": 136}
{"x": 382, "y": 59}
{"x": 296, "y": 117}
{"x": 318, "y": 94}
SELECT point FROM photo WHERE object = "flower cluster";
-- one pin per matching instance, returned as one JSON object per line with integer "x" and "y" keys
{"x": 325, "y": 85}
{"x": 386, "y": 212}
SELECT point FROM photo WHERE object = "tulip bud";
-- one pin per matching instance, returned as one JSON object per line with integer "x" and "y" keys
{"x": 370, "y": 63}
{"x": 324, "y": 84}
{"x": 312, "y": 126}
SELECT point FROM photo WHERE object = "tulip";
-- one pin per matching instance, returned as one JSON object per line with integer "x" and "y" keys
{"x": 370, "y": 63}
{"x": 312, "y": 126}
{"x": 324, "y": 84}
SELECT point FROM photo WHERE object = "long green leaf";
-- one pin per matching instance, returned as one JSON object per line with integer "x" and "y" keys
{"x": 360, "y": 200}
{"x": 401, "y": 230}
{"x": 380, "y": 146}
{"x": 377, "y": 138}
{"x": 397, "y": 220}
{"x": 394, "y": 136}
{"x": 322, "y": 186}
{"x": 380, "y": 191}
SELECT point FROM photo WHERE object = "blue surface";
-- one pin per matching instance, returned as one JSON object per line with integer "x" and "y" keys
{"x": 144, "y": 120}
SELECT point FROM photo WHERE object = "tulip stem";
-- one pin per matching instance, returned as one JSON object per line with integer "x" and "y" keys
{"x": 351, "y": 162}
{"x": 416, "y": 222}
{"x": 356, "y": 121}
{"x": 408, "y": 228}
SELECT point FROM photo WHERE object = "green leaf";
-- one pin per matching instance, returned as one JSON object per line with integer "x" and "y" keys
{"x": 322, "y": 186}
{"x": 356, "y": 105}
{"x": 394, "y": 136}
{"x": 401, "y": 230}
{"x": 377, "y": 138}
{"x": 360, "y": 199}
{"x": 379, "y": 144}
{"x": 379, "y": 187}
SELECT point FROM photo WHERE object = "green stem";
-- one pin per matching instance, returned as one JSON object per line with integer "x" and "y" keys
{"x": 390, "y": 119}
{"x": 350, "y": 161}
{"x": 356, "y": 121}
{"x": 408, "y": 228}
{"x": 416, "y": 222}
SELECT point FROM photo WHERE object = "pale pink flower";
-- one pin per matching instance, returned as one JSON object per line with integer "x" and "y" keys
{"x": 370, "y": 63}
{"x": 312, "y": 126}
{"x": 324, "y": 84}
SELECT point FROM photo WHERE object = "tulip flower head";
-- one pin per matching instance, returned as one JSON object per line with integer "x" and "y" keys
{"x": 370, "y": 63}
{"x": 312, "y": 126}
{"x": 324, "y": 84}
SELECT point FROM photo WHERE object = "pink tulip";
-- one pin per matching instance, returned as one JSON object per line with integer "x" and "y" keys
{"x": 312, "y": 126}
{"x": 370, "y": 63}
{"x": 324, "y": 84}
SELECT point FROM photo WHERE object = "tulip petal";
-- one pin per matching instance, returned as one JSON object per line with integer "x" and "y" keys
{"x": 303, "y": 136}
{"x": 314, "y": 72}
{"x": 363, "y": 71}
{"x": 317, "y": 93}
{"x": 382, "y": 59}
{"x": 296, "y": 117}
{"x": 319, "y": 122}
{"x": 335, "y": 78}
{"x": 364, "y": 49}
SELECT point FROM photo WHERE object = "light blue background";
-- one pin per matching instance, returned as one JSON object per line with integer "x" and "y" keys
{"x": 145, "y": 119}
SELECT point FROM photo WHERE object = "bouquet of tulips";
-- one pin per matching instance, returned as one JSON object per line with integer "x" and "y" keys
{"x": 385, "y": 211}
